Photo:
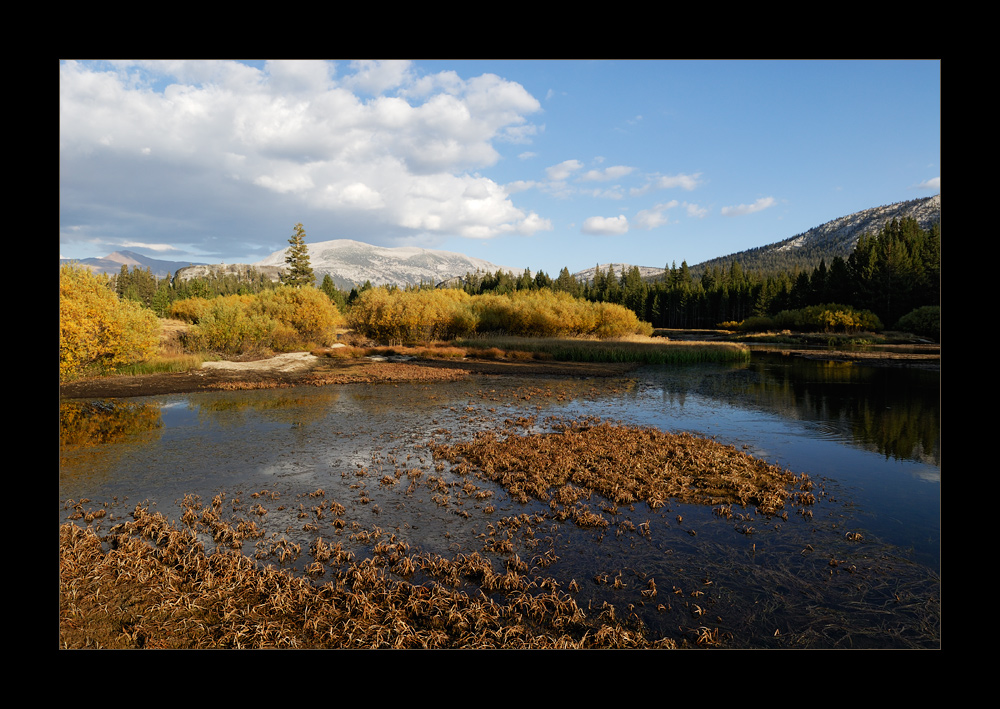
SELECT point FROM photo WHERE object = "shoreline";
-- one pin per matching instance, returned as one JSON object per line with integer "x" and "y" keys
{"x": 325, "y": 371}
{"x": 303, "y": 369}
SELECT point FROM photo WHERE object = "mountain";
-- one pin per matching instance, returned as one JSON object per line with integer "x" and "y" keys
{"x": 803, "y": 251}
{"x": 112, "y": 263}
{"x": 647, "y": 272}
{"x": 350, "y": 263}
{"x": 826, "y": 241}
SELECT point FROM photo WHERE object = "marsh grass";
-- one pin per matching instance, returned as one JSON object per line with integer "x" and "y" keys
{"x": 164, "y": 363}
{"x": 633, "y": 349}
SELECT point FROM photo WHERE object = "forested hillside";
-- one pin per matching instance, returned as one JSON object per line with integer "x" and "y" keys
{"x": 825, "y": 242}
{"x": 888, "y": 274}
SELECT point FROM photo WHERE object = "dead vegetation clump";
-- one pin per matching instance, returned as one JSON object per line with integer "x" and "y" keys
{"x": 150, "y": 584}
{"x": 626, "y": 465}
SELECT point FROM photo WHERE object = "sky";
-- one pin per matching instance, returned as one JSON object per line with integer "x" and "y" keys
{"x": 538, "y": 164}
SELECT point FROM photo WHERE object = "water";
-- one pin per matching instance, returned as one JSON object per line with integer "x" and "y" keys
{"x": 869, "y": 436}
{"x": 873, "y": 431}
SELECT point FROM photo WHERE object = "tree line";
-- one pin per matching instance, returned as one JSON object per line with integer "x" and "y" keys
{"x": 890, "y": 273}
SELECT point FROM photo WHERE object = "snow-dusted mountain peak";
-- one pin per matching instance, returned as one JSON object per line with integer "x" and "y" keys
{"x": 350, "y": 263}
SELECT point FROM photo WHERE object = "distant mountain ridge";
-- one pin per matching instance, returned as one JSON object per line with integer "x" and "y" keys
{"x": 113, "y": 262}
{"x": 647, "y": 272}
{"x": 351, "y": 263}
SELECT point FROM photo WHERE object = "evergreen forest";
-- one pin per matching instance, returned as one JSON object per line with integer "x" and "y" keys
{"x": 890, "y": 274}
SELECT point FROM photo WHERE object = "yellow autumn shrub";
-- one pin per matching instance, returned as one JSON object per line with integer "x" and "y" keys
{"x": 400, "y": 316}
{"x": 306, "y": 310}
{"x": 283, "y": 319}
{"x": 190, "y": 310}
{"x": 407, "y": 316}
{"x": 97, "y": 330}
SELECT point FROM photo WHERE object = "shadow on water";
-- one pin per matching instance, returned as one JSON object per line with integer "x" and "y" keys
{"x": 354, "y": 464}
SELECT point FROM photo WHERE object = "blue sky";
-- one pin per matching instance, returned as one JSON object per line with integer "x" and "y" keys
{"x": 538, "y": 164}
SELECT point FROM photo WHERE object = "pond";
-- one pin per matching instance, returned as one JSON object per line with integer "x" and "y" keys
{"x": 869, "y": 437}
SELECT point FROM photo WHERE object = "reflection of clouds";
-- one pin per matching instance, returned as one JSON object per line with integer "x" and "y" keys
{"x": 930, "y": 475}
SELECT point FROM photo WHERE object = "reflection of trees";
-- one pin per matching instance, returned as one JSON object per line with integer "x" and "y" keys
{"x": 96, "y": 422}
{"x": 283, "y": 405}
{"x": 895, "y": 411}
{"x": 85, "y": 426}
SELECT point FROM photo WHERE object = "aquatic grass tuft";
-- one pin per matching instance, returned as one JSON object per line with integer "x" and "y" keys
{"x": 635, "y": 349}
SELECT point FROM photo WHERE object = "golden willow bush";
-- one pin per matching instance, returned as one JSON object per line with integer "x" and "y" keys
{"x": 829, "y": 317}
{"x": 280, "y": 320}
{"x": 398, "y": 316}
{"x": 97, "y": 331}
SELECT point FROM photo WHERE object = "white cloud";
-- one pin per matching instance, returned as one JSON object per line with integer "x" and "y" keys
{"x": 151, "y": 247}
{"x": 758, "y": 205}
{"x": 687, "y": 182}
{"x": 605, "y": 226}
{"x": 357, "y": 194}
{"x": 519, "y": 186}
{"x": 609, "y": 173}
{"x": 932, "y": 184}
{"x": 563, "y": 170}
{"x": 608, "y": 193}
{"x": 694, "y": 210}
{"x": 657, "y": 216}
{"x": 369, "y": 144}
{"x": 376, "y": 77}
{"x": 298, "y": 76}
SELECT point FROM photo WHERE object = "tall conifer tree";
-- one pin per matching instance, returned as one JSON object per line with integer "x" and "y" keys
{"x": 299, "y": 271}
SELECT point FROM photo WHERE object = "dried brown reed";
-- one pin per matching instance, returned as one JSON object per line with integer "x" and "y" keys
{"x": 626, "y": 465}
{"x": 149, "y": 584}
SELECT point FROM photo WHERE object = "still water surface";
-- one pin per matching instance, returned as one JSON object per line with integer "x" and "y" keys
{"x": 871, "y": 435}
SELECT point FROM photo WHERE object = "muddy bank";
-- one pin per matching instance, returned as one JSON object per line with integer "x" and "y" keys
{"x": 306, "y": 370}
{"x": 929, "y": 358}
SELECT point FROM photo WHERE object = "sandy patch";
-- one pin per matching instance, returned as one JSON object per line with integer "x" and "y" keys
{"x": 289, "y": 362}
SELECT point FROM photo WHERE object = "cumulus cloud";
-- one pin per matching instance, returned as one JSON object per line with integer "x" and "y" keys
{"x": 376, "y": 77}
{"x": 741, "y": 209}
{"x": 229, "y": 147}
{"x": 605, "y": 226}
{"x": 932, "y": 184}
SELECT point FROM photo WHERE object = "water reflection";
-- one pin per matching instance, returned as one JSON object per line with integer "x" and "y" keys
{"x": 92, "y": 423}
{"x": 894, "y": 411}
{"x": 869, "y": 436}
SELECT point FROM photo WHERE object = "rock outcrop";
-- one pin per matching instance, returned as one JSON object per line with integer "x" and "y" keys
{"x": 241, "y": 270}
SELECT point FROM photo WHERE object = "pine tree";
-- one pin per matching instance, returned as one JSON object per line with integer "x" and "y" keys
{"x": 299, "y": 271}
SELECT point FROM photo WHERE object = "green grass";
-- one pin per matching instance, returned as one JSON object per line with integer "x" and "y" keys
{"x": 636, "y": 349}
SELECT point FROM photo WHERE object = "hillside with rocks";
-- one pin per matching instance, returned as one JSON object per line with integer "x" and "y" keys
{"x": 351, "y": 263}
{"x": 837, "y": 237}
